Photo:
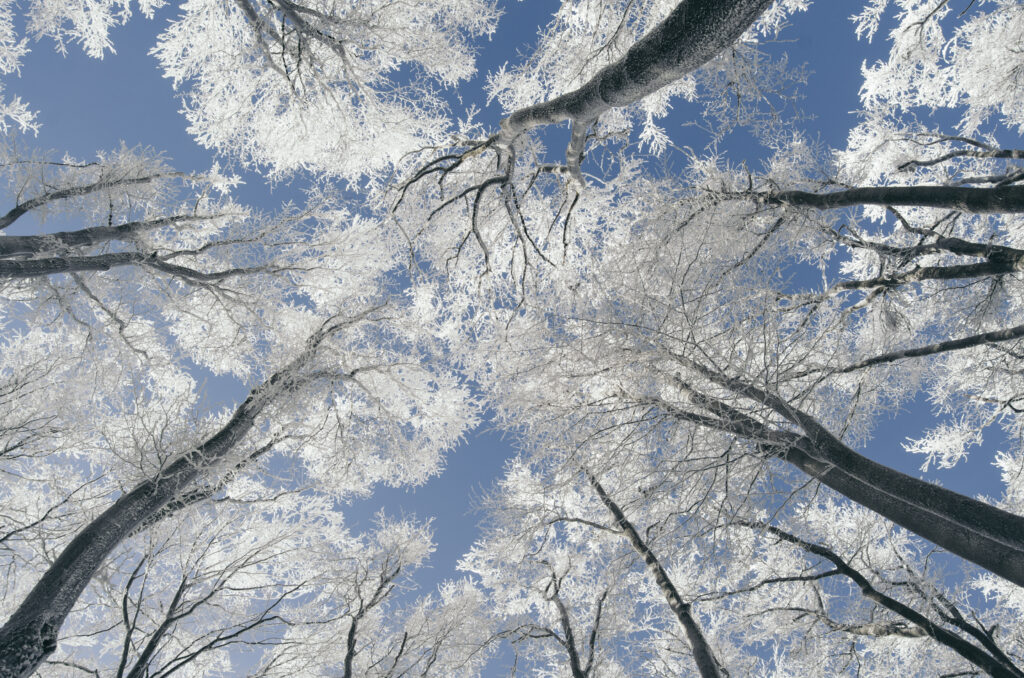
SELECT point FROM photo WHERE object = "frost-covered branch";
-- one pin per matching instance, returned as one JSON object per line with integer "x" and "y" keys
{"x": 692, "y": 34}
{"x": 994, "y": 664}
{"x": 30, "y": 634}
{"x": 707, "y": 664}
{"x": 43, "y": 199}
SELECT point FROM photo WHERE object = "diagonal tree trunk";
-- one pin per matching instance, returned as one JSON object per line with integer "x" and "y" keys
{"x": 692, "y": 34}
{"x": 991, "y": 659}
{"x": 976, "y": 531}
{"x": 23, "y": 208}
{"x": 707, "y": 663}
{"x": 30, "y": 635}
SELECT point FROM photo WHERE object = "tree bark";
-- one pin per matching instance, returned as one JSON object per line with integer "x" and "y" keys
{"x": 30, "y": 635}
{"x": 703, "y": 655}
{"x": 976, "y": 531}
{"x": 980, "y": 533}
{"x": 35, "y": 268}
{"x": 39, "y": 244}
{"x": 1008, "y": 199}
{"x": 692, "y": 34}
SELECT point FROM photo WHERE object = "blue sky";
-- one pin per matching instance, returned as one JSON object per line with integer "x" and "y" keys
{"x": 86, "y": 105}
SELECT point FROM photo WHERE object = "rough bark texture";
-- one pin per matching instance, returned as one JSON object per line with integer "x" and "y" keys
{"x": 30, "y": 635}
{"x": 689, "y": 37}
{"x": 703, "y": 655}
{"x": 976, "y": 200}
{"x": 35, "y": 268}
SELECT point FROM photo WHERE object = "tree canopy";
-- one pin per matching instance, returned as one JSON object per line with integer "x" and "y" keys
{"x": 624, "y": 249}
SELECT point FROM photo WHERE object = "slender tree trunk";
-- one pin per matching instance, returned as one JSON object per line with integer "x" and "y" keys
{"x": 973, "y": 340}
{"x": 569, "y": 637}
{"x": 694, "y": 32}
{"x": 707, "y": 663}
{"x": 997, "y": 199}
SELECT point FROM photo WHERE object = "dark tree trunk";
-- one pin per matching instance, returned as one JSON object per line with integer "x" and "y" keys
{"x": 976, "y": 531}
{"x": 991, "y": 659}
{"x": 36, "y": 268}
{"x": 997, "y": 199}
{"x": 51, "y": 242}
{"x": 703, "y": 655}
{"x": 30, "y": 635}
{"x": 688, "y": 38}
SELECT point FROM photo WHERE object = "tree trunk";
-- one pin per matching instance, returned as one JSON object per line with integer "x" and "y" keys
{"x": 973, "y": 530}
{"x": 688, "y": 38}
{"x": 30, "y": 635}
{"x": 976, "y": 200}
{"x": 707, "y": 663}
{"x": 976, "y": 531}
{"x": 40, "y": 244}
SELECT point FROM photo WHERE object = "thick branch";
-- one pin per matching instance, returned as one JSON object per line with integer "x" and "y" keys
{"x": 983, "y": 269}
{"x": 965, "y": 199}
{"x": 39, "y": 244}
{"x": 575, "y": 665}
{"x": 1006, "y": 153}
{"x": 34, "y": 268}
{"x": 688, "y": 38}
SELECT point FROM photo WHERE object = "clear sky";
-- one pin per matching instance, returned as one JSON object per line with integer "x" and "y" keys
{"x": 85, "y": 105}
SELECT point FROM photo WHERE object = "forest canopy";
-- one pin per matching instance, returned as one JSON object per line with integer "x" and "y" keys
{"x": 624, "y": 248}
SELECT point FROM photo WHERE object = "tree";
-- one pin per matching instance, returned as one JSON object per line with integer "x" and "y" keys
{"x": 657, "y": 340}
{"x": 358, "y": 359}
{"x": 30, "y": 633}
{"x": 677, "y": 298}
{"x": 323, "y": 67}
{"x": 285, "y": 588}
{"x": 852, "y": 591}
